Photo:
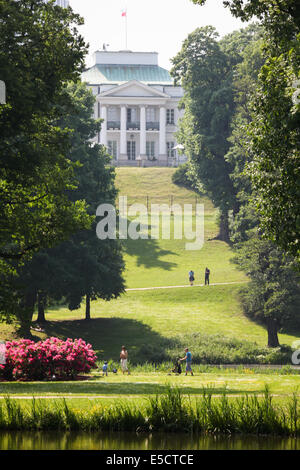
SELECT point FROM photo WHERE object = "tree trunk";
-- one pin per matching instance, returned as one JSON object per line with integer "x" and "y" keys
{"x": 272, "y": 334}
{"x": 25, "y": 314}
{"x": 41, "y": 307}
{"x": 224, "y": 227}
{"x": 88, "y": 307}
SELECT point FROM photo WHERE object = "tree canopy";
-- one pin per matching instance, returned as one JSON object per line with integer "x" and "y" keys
{"x": 82, "y": 265}
{"x": 273, "y": 134}
{"x": 40, "y": 50}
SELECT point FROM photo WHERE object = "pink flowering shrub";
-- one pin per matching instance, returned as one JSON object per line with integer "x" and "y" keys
{"x": 26, "y": 359}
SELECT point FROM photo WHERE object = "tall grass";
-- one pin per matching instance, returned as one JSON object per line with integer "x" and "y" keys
{"x": 169, "y": 412}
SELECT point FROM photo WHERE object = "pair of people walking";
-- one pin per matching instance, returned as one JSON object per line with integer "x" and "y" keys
{"x": 206, "y": 277}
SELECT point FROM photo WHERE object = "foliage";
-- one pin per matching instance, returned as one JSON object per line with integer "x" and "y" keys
{"x": 273, "y": 295}
{"x": 273, "y": 141}
{"x": 85, "y": 265}
{"x": 212, "y": 349}
{"x": 28, "y": 360}
{"x": 40, "y": 50}
{"x": 185, "y": 178}
{"x": 204, "y": 72}
{"x": 205, "y": 67}
{"x": 274, "y": 144}
{"x": 82, "y": 265}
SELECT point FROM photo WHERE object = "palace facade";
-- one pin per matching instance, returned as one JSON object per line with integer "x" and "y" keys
{"x": 138, "y": 103}
{"x": 60, "y": 3}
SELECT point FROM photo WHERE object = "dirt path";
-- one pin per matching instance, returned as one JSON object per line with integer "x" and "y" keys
{"x": 176, "y": 287}
{"x": 120, "y": 397}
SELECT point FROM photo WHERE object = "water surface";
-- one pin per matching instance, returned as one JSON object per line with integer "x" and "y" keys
{"x": 53, "y": 440}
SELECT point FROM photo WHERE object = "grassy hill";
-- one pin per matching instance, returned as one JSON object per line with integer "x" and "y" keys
{"x": 167, "y": 262}
{"x": 148, "y": 321}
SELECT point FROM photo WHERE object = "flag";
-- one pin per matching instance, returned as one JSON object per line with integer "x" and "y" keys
{"x": 124, "y": 12}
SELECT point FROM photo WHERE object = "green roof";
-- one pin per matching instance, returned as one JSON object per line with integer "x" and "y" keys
{"x": 117, "y": 74}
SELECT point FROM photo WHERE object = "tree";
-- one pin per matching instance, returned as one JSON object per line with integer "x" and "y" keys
{"x": 245, "y": 221}
{"x": 97, "y": 265}
{"x": 83, "y": 265}
{"x": 40, "y": 49}
{"x": 273, "y": 139}
{"x": 205, "y": 67}
{"x": 273, "y": 294}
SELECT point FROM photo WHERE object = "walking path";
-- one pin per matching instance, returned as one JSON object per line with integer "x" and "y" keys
{"x": 229, "y": 395}
{"x": 176, "y": 287}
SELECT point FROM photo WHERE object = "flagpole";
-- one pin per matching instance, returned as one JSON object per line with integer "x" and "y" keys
{"x": 126, "y": 30}
{"x": 124, "y": 13}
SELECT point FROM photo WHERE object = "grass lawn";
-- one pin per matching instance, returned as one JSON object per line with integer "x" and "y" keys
{"x": 153, "y": 317}
{"x": 167, "y": 262}
{"x": 137, "y": 387}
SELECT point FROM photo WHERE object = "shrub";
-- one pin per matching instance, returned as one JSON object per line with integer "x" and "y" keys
{"x": 28, "y": 360}
{"x": 211, "y": 349}
{"x": 183, "y": 177}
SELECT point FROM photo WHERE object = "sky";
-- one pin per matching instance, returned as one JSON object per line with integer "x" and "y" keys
{"x": 152, "y": 25}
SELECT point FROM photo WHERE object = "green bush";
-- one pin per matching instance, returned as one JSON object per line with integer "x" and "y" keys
{"x": 183, "y": 177}
{"x": 211, "y": 349}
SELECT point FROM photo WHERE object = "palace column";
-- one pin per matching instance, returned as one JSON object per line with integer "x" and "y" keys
{"x": 103, "y": 134}
{"x": 162, "y": 157}
{"x": 143, "y": 133}
{"x": 123, "y": 134}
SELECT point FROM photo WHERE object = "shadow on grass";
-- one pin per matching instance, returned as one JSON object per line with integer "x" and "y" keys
{"x": 149, "y": 254}
{"x": 107, "y": 335}
{"x": 105, "y": 387}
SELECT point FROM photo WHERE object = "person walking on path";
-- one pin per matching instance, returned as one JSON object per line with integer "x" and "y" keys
{"x": 191, "y": 277}
{"x": 124, "y": 358}
{"x": 188, "y": 359}
{"x": 207, "y": 273}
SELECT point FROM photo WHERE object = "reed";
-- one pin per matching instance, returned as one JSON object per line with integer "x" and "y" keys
{"x": 168, "y": 412}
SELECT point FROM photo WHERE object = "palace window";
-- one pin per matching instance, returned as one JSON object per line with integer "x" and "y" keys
{"x": 150, "y": 114}
{"x": 170, "y": 151}
{"x": 131, "y": 149}
{"x": 112, "y": 114}
{"x": 170, "y": 116}
{"x": 150, "y": 149}
{"x": 131, "y": 114}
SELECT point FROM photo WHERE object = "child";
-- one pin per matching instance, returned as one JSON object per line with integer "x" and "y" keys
{"x": 104, "y": 368}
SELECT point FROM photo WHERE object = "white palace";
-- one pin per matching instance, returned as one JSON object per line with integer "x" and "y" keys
{"x": 60, "y": 3}
{"x": 138, "y": 103}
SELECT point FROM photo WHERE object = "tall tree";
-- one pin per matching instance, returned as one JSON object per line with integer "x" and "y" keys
{"x": 273, "y": 294}
{"x": 83, "y": 265}
{"x": 97, "y": 265}
{"x": 205, "y": 68}
{"x": 274, "y": 130}
{"x": 40, "y": 49}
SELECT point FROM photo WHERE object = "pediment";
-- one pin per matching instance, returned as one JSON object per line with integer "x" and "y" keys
{"x": 134, "y": 89}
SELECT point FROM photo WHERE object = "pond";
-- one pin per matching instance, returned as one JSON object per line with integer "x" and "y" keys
{"x": 53, "y": 440}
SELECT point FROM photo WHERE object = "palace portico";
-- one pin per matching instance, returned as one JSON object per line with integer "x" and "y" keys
{"x": 138, "y": 103}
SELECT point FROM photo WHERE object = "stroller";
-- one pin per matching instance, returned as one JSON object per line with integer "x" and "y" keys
{"x": 177, "y": 367}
